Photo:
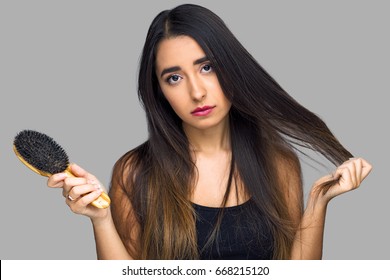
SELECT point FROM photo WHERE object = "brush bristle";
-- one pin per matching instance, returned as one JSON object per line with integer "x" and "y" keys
{"x": 41, "y": 151}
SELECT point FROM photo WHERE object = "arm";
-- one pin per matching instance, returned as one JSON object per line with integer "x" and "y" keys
{"x": 308, "y": 242}
{"x": 83, "y": 189}
{"x": 109, "y": 245}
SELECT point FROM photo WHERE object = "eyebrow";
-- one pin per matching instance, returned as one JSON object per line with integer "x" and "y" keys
{"x": 177, "y": 68}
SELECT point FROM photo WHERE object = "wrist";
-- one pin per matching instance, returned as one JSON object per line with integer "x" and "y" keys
{"x": 102, "y": 219}
{"x": 317, "y": 201}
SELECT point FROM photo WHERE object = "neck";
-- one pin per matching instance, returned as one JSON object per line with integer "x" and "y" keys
{"x": 210, "y": 140}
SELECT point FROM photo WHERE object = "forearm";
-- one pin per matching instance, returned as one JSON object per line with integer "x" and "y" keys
{"x": 308, "y": 242}
{"x": 109, "y": 245}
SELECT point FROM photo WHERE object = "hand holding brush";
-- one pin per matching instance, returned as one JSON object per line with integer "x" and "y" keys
{"x": 44, "y": 156}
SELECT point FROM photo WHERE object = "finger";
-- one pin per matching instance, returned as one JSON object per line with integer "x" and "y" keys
{"x": 366, "y": 168}
{"x": 352, "y": 171}
{"x": 358, "y": 166}
{"x": 56, "y": 180}
{"x": 75, "y": 181}
{"x": 357, "y": 170}
{"x": 363, "y": 168}
{"x": 78, "y": 191}
{"x": 80, "y": 172}
{"x": 345, "y": 181}
{"x": 69, "y": 199}
{"x": 87, "y": 199}
{"x": 71, "y": 182}
{"x": 353, "y": 165}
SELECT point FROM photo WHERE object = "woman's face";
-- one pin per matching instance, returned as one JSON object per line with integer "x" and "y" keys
{"x": 189, "y": 83}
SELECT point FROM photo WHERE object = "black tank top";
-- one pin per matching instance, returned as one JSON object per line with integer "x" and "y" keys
{"x": 239, "y": 237}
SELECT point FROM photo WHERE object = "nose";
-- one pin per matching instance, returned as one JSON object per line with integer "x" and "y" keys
{"x": 197, "y": 89}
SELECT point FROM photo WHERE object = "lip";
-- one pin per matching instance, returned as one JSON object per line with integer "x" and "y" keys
{"x": 203, "y": 111}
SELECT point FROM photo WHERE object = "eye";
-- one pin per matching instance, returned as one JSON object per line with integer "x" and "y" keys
{"x": 207, "y": 68}
{"x": 173, "y": 79}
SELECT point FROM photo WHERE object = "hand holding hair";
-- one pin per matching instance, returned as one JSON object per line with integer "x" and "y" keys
{"x": 309, "y": 237}
{"x": 348, "y": 176}
{"x": 196, "y": 79}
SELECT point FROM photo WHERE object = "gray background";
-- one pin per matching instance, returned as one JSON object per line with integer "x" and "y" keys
{"x": 68, "y": 69}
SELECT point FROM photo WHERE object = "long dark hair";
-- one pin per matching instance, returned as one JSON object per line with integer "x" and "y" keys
{"x": 265, "y": 122}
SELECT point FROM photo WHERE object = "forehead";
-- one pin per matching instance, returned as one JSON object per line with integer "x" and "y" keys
{"x": 177, "y": 51}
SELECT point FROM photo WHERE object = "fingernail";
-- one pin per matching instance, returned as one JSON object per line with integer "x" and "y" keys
{"x": 61, "y": 176}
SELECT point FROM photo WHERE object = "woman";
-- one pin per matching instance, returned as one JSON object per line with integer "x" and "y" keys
{"x": 219, "y": 176}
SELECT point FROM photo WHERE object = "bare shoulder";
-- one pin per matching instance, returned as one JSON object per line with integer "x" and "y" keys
{"x": 125, "y": 169}
{"x": 289, "y": 179}
{"x": 122, "y": 196}
{"x": 288, "y": 166}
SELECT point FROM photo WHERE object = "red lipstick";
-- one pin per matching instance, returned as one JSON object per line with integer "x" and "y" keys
{"x": 202, "y": 111}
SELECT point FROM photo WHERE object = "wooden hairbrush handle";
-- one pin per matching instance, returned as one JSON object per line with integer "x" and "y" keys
{"x": 103, "y": 201}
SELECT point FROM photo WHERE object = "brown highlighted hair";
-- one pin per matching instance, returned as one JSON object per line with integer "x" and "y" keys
{"x": 265, "y": 123}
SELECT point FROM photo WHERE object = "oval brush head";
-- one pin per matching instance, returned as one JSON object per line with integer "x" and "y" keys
{"x": 43, "y": 155}
{"x": 40, "y": 152}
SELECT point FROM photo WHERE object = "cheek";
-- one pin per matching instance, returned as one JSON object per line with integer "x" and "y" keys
{"x": 175, "y": 98}
{"x": 174, "y": 104}
{"x": 228, "y": 105}
{"x": 222, "y": 97}
{"x": 177, "y": 103}
{"x": 168, "y": 97}
{"x": 215, "y": 88}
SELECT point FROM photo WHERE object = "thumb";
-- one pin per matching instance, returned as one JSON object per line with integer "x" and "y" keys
{"x": 78, "y": 171}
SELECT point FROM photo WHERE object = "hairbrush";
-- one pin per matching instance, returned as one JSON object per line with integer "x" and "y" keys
{"x": 43, "y": 155}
